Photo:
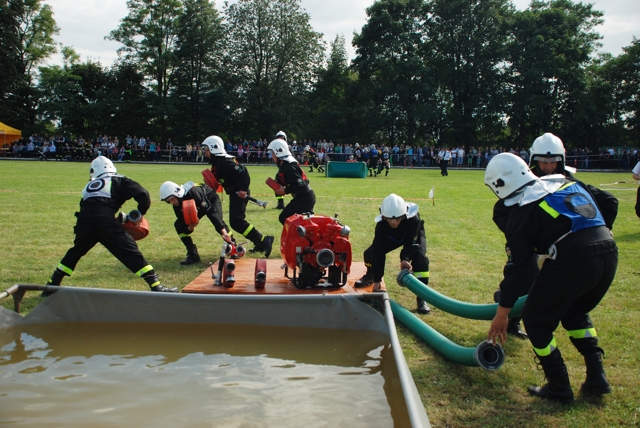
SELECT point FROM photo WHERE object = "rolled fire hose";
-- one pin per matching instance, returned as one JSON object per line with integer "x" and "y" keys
{"x": 452, "y": 306}
{"x": 485, "y": 355}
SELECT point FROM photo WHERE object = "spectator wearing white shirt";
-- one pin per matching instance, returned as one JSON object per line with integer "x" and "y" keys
{"x": 636, "y": 176}
{"x": 460, "y": 155}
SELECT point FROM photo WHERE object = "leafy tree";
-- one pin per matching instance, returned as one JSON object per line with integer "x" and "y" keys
{"x": 27, "y": 41}
{"x": 551, "y": 48}
{"x": 73, "y": 96}
{"x": 9, "y": 46}
{"x": 391, "y": 68}
{"x": 128, "y": 98}
{"x": 272, "y": 58}
{"x": 623, "y": 73}
{"x": 149, "y": 34}
{"x": 465, "y": 48}
{"x": 331, "y": 106}
{"x": 199, "y": 55}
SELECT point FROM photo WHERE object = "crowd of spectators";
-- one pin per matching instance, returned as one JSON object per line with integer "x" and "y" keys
{"x": 134, "y": 148}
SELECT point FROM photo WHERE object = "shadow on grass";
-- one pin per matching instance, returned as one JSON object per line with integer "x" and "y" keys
{"x": 627, "y": 238}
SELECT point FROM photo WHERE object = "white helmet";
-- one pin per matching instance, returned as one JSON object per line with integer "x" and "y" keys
{"x": 547, "y": 146}
{"x": 281, "y": 150}
{"x": 393, "y": 206}
{"x": 281, "y": 135}
{"x": 507, "y": 173}
{"x": 215, "y": 145}
{"x": 169, "y": 188}
{"x": 101, "y": 166}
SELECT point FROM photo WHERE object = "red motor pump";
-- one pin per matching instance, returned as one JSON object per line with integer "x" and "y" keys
{"x": 317, "y": 249}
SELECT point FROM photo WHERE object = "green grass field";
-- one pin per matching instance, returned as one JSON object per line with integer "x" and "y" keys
{"x": 466, "y": 250}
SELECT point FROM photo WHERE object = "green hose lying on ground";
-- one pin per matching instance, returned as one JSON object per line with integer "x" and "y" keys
{"x": 485, "y": 355}
{"x": 455, "y": 307}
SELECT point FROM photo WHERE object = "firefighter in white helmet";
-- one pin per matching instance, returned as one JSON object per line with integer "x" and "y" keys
{"x": 282, "y": 136}
{"x": 398, "y": 225}
{"x": 293, "y": 181}
{"x": 100, "y": 221}
{"x": 559, "y": 219}
{"x": 235, "y": 180}
{"x": 547, "y": 156}
{"x": 207, "y": 203}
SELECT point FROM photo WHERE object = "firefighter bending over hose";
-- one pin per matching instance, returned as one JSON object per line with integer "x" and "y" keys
{"x": 207, "y": 203}
{"x": 398, "y": 225}
{"x": 559, "y": 218}
{"x": 99, "y": 222}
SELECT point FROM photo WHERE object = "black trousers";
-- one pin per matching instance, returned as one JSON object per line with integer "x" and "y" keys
{"x": 375, "y": 256}
{"x": 567, "y": 289}
{"x": 301, "y": 204}
{"x": 110, "y": 234}
{"x": 638, "y": 203}
{"x": 443, "y": 167}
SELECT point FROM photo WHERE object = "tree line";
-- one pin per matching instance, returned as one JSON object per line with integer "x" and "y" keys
{"x": 426, "y": 72}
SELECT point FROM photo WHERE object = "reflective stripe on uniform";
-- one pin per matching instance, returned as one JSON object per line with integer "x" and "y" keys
{"x": 144, "y": 270}
{"x": 65, "y": 269}
{"x": 545, "y": 206}
{"x": 551, "y": 211}
{"x": 543, "y": 352}
{"x": 184, "y": 235}
{"x": 421, "y": 274}
{"x": 581, "y": 334}
{"x": 249, "y": 229}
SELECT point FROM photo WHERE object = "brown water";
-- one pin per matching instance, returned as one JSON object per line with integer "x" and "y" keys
{"x": 183, "y": 375}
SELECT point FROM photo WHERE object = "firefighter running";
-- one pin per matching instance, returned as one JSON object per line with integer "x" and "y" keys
{"x": 293, "y": 181}
{"x": 235, "y": 180}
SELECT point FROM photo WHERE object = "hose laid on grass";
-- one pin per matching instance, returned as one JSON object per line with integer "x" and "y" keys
{"x": 455, "y": 307}
{"x": 485, "y": 355}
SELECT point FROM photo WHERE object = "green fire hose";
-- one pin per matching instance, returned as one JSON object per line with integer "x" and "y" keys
{"x": 485, "y": 355}
{"x": 452, "y": 306}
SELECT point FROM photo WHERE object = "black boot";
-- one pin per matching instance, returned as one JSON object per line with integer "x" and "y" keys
{"x": 280, "y": 205}
{"x": 192, "y": 256}
{"x": 154, "y": 283}
{"x": 365, "y": 281}
{"x": 264, "y": 245}
{"x": 56, "y": 279}
{"x": 596, "y": 383}
{"x": 513, "y": 328}
{"x": 558, "y": 388}
{"x": 423, "y": 308}
{"x": 162, "y": 289}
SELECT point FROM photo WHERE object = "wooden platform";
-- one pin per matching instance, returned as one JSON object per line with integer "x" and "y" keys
{"x": 276, "y": 281}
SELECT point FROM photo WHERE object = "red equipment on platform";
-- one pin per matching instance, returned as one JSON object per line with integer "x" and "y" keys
{"x": 228, "y": 280}
{"x": 260, "y": 273}
{"x": 317, "y": 249}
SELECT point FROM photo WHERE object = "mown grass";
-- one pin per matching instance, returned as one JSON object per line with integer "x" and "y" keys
{"x": 38, "y": 200}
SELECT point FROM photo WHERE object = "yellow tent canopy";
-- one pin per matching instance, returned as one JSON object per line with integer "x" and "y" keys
{"x": 8, "y": 134}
